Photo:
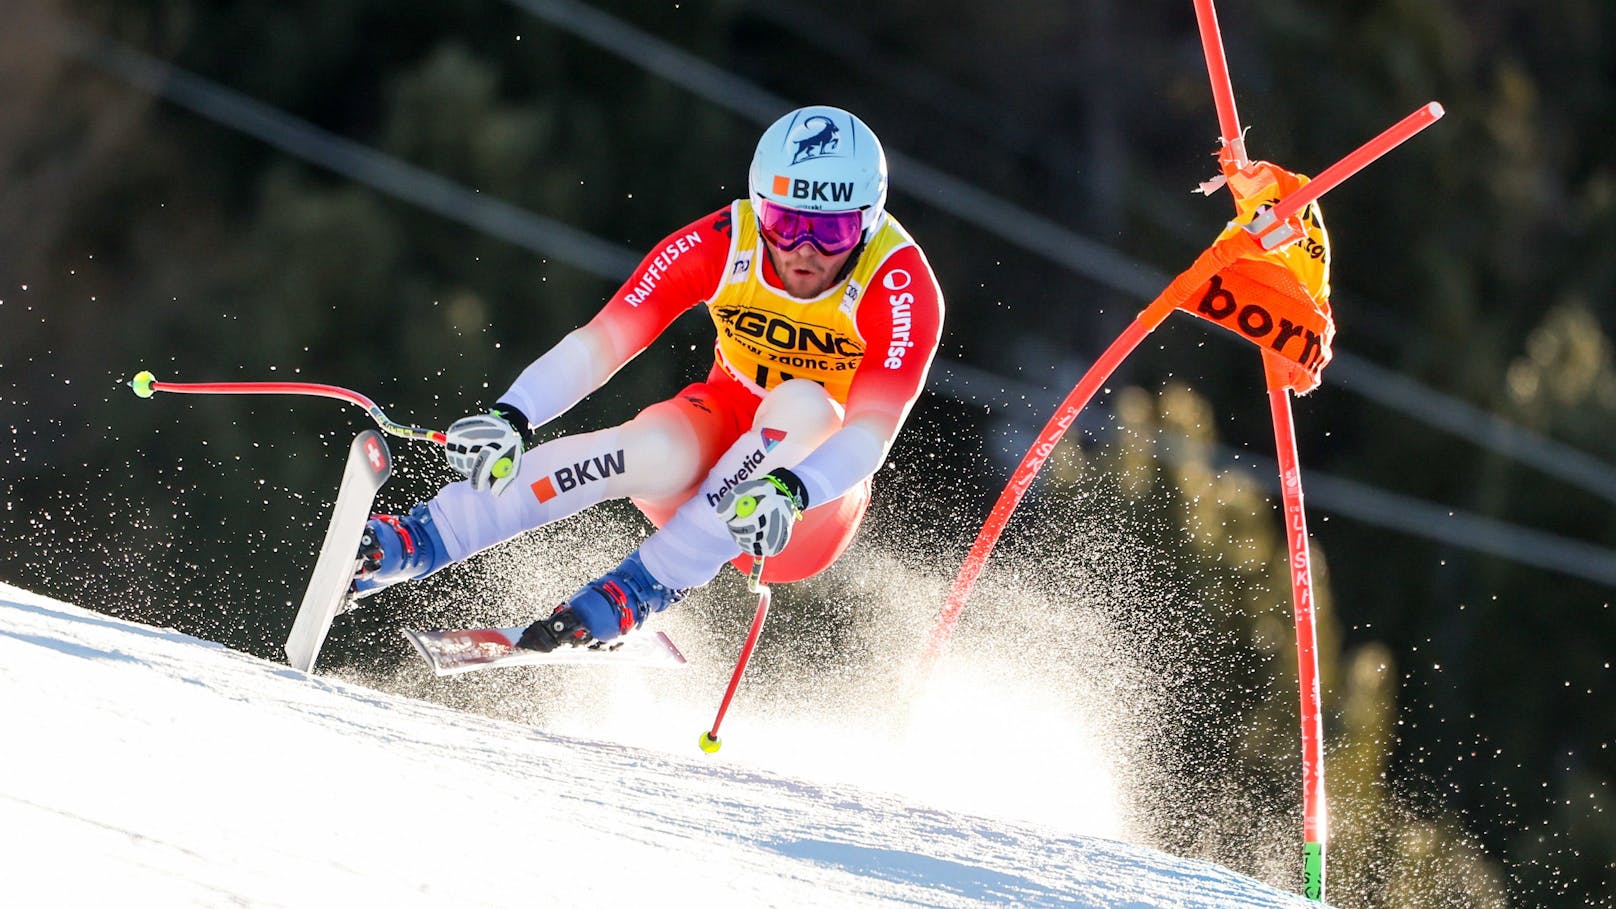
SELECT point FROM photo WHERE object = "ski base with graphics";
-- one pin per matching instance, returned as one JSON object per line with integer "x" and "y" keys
{"x": 369, "y": 465}
{"x": 453, "y": 652}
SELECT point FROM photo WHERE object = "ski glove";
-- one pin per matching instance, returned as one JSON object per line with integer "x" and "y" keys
{"x": 487, "y": 448}
{"x": 759, "y": 513}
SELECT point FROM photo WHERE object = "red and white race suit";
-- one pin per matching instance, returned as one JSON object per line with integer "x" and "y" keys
{"x": 820, "y": 386}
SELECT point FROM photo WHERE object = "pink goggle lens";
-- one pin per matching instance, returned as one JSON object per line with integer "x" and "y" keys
{"x": 830, "y": 232}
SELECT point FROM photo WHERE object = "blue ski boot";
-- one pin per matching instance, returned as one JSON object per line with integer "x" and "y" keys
{"x": 394, "y": 549}
{"x": 612, "y": 604}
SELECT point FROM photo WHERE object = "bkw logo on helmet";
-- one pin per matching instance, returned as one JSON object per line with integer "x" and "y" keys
{"x": 813, "y": 190}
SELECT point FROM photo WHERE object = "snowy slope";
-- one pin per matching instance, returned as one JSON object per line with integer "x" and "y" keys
{"x": 143, "y": 767}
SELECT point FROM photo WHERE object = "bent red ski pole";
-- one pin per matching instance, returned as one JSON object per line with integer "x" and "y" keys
{"x": 145, "y": 385}
{"x": 709, "y": 741}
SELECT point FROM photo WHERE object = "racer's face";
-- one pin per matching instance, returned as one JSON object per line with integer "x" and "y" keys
{"x": 805, "y": 271}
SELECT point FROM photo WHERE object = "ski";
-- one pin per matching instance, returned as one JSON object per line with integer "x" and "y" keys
{"x": 369, "y": 465}
{"x": 453, "y": 652}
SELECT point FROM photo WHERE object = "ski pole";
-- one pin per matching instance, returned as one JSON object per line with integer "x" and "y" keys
{"x": 145, "y": 385}
{"x": 709, "y": 740}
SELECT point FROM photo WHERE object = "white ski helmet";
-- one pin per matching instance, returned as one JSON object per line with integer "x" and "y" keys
{"x": 821, "y": 158}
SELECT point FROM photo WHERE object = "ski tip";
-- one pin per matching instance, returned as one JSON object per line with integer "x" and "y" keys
{"x": 144, "y": 384}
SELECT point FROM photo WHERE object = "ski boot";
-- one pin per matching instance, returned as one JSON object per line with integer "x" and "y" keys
{"x": 610, "y": 605}
{"x": 394, "y": 549}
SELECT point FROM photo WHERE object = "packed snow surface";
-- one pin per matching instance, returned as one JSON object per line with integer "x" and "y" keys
{"x": 144, "y": 767}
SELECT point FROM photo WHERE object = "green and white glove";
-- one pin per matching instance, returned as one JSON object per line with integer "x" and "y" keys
{"x": 760, "y": 513}
{"x": 487, "y": 448}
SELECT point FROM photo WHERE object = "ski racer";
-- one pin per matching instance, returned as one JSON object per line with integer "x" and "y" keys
{"x": 827, "y": 316}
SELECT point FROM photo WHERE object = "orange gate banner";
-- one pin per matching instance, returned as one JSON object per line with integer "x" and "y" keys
{"x": 1277, "y": 299}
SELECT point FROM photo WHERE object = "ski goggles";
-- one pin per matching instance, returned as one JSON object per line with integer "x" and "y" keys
{"x": 830, "y": 232}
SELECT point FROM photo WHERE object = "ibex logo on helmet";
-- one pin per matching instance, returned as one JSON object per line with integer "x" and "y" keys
{"x": 822, "y": 138}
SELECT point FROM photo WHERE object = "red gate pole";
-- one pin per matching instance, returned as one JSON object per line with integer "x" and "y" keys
{"x": 1217, "y": 68}
{"x": 1315, "y": 814}
{"x": 1314, "y": 817}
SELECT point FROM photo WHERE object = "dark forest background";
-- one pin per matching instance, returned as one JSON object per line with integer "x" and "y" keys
{"x": 245, "y": 190}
